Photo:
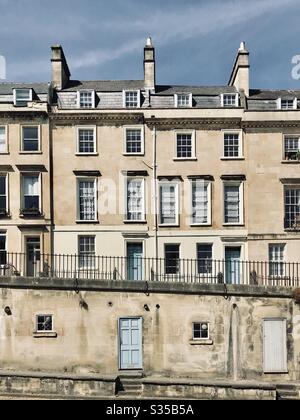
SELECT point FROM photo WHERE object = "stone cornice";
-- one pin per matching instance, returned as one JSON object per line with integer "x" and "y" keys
{"x": 23, "y": 115}
{"x": 194, "y": 123}
{"x": 100, "y": 118}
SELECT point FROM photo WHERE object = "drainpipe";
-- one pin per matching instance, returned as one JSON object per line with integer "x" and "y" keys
{"x": 154, "y": 137}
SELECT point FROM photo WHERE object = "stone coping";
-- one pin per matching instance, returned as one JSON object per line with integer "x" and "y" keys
{"x": 98, "y": 285}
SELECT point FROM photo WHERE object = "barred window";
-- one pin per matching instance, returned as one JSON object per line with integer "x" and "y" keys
{"x": 87, "y": 199}
{"x": 86, "y": 140}
{"x": 200, "y": 330}
{"x": 86, "y": 252}
{"x": 276, "y": 260}
{"x": 134, "y": 141}
{"x": 292, "y": 208}
{"x": 44, "y": 323}
{"x": 184, "y": 145}
{"x": 231, "y": 145}
{"x": 131, "y": 99}
{"x": 200, "y": 202}
{"x": 204, "y": 258}
{"x": 135, "y": 199}
{"x": 86, "y": 99}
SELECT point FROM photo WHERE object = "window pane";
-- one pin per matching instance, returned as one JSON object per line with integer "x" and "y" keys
{"x": 131, "y": 99}
{"x": 133, "y": 141}
{"x": 87, "y": 200}
{"x": 291, "y": 147}
{"x": 183, "y": 100}
{"x": 292, "y": 207}
{"x": 199, "y": 202}
{"x": 31, "y": 192}
{"x": 204, "y": 256}
{"x": 172, "y": 259}
{"x": 86, "y": 99}
{"x": 44, "y": 323}
{"x": 2, "y": 139}
{"x": 86, "y": 141}
{"x": 87, "y": 252}
{"x": 231, "y": 145}
{"x": 276, "y": 260}
{"x": 168, "y": 210}
{"x": 184, "y": 145}
{"x": 30, "y": 139}
{"x": 229, "y": 100}
{"x": 2, "y": 249}
{"x": 232, "y": 203}
{"x": 135, "y": 199}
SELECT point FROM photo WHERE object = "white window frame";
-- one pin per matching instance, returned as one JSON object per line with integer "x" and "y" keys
{"x": 22, "y": 151}
{"x": 209, "y": 206}
{"x": 231, "y": 94}
{"x": 283, "y": 245}
{"x": 143, "y": 213}
{"x": 279, "y": 104}
{"x": 138, "y": 92}
{"x": 177, "y": 206}
{"x": 86, "y": 127}
{"x": 289, "y": 136}
{"x": 6, "y": 175}
{"x": 87, "y": 235}
{"x": 93, "y": 98}
{"x": 190, "y": 103}
{"x": 31, "y": 174}
{"x": 6, "y": 138}
{"x": 241, "y": 144}
{"x": 87, "y": 179}
{"x": 134, "y": 127}
{"x": 188, "y": 132}
{"x": 36, "y": 323}
{"x": 241, "y": 202}
{"x": 15, "y": 95}
{"x": 208, "y": 331}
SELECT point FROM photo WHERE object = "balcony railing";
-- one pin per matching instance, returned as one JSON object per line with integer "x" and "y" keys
{"x": 202, "y": 271}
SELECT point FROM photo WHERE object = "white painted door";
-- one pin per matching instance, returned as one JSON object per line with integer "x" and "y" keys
{"x": 274, "y": 345}
{"x": 130, "y": 338}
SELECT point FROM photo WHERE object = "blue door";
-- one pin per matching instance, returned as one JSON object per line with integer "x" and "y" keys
{"x": 232, "y": 264}
{"x": 135, "y": 261}
{"x": 130, "y": 339}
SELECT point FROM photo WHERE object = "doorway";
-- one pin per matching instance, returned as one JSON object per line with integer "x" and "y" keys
{"x": 33, "y": 256}
{"x": 135, "y": 261}
{"x": 232, "y": 264}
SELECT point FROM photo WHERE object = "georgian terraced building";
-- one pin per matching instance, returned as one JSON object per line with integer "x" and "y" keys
{"x": 141, "y": 169}
{"x": 136, "y": 169}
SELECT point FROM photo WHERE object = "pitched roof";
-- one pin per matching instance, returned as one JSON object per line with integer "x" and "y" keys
{"x": 7, "y": 87}
{"x": 273, "y": 94}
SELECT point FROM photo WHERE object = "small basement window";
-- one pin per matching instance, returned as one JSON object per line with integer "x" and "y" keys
{"x": 44, "y": 323}
{"x": 200, "y": 331}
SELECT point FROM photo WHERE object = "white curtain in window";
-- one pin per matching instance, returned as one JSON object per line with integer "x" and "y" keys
{"x": 31, "y": 185}
{"x": 2, "y": 139}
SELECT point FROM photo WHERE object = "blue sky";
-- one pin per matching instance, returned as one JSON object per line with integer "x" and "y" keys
{"x": 196, "y": 40}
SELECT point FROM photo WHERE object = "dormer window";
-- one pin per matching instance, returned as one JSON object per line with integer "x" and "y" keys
{"x": 183, "y": 100}
{"x": 229, "y": 100}
{"x": 131, "y": 99}
{"x": 287, "y": 103}
{"x": 86, "y": 99}
{"x": 22, "y": 97}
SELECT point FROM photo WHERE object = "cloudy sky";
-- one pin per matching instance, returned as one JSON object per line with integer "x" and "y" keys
{"x": 196, "y": 40}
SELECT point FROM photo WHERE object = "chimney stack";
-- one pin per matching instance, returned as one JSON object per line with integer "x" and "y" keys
{"x": 240, "y": 72}
{"x": 60, "y": 70}
{"x": 149, "y": 65}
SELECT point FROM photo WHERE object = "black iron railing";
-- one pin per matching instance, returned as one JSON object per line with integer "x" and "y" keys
{"x": 206, "y": 271}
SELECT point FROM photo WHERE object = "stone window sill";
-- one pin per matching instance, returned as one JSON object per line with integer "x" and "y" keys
{"x": 201, "y": 342}
{"x": 45, "y": 334}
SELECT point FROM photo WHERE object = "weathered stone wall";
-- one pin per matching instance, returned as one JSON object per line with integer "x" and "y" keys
{"x": 86, "y": 324}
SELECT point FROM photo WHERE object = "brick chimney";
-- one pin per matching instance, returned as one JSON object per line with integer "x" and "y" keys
{"x": 149, "y": 66}
{"x": 240, "y": 72}
{"x": 60, "y": 70}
